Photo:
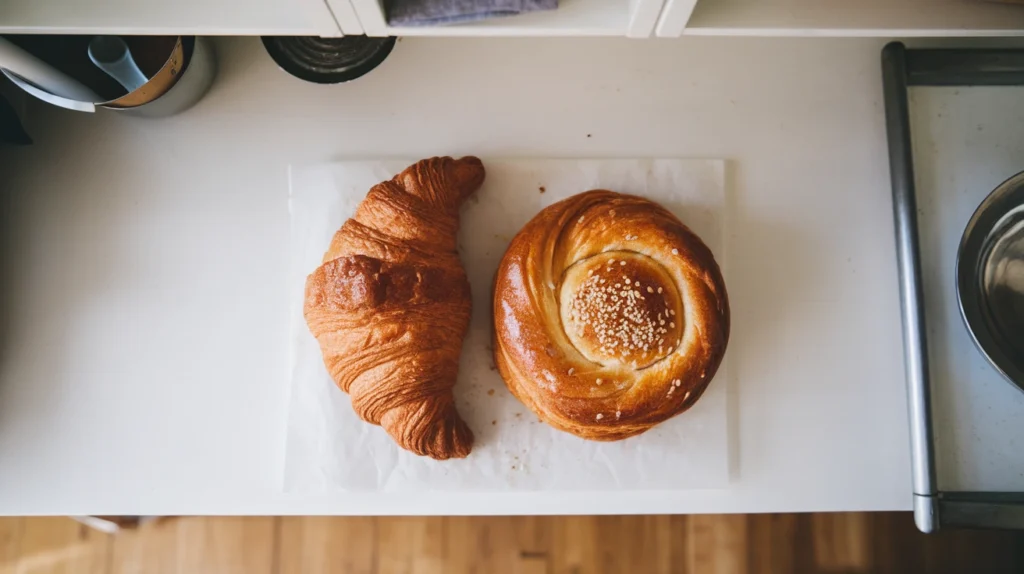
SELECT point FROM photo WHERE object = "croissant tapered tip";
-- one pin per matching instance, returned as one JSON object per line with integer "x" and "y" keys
{"x": 467, "y": 174}
{"x": 429, "y": 428}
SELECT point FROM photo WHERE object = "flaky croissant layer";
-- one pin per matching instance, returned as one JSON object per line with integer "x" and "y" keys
{"x": 390, "y": 306}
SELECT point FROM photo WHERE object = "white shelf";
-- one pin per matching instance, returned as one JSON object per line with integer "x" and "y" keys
{"x": 885, "y": 18}
{"x": 204, "y": 17}
{"x": 635, "y": 18}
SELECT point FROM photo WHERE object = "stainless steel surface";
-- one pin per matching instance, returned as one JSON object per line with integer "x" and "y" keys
{"x": 983, "y": 510}
{"x": 990, "y": 278}
{"x": 998, "y": 242}
{"x": 911, "y": 298}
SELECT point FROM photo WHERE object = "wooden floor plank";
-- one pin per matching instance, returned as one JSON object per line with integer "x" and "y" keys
{"x": 152, "y": 548}
{"x": 226, "y": 545}
{"x": 574, "y": 545}
{"x": 841, "y": 542}
{"x": 533, "y": 540}
{"x": 411, "y": 545}
{"x": 478, "y": 545}
{"x": 60, "y": 545}
{"x": 773, "y": 544}
{"x": 10, "y": 535}
{"x": 327, "y": 545}
{"x": 717, "y": 544}
{"x": 847, "y": 543}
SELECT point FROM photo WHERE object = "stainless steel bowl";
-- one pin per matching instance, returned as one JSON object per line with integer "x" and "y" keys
{"x": 990, "y": 278}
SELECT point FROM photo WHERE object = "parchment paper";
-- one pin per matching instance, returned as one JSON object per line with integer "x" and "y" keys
{"x": 329, "y": 448}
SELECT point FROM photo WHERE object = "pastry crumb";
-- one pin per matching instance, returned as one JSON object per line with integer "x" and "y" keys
{"x": 542, "y": 189}
{"x": 490, "y": 393}
{"x": 493, "y": 423}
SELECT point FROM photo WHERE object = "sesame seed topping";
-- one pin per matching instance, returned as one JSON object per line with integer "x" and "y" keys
{"x": 649, "y": 290}
{"x": 660, "y": 289}
{"x": 590, "y": 272}
{"x": 572, "y": 370}
{"x": 672, "y": 324}
{"x": 686, "y": 396}
{"x": 675, "y": 252}
{"x": 671, "y": 312}
{"x": 599, "y": 416}
{"x": 617, "y": 317}
{"x": 598, "y": 381}
{"x": 611, "y": 212}
{"x": 581, "y": 219}
{"x": 622, "y": 262}
{"x": 677, "y": 383}
{"x": 618, "y": 414}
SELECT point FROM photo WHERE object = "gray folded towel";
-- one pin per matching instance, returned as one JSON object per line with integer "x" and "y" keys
{"x": 433, "y": 12}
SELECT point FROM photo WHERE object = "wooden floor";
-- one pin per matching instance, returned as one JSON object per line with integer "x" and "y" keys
{"x": 817, "y": 543}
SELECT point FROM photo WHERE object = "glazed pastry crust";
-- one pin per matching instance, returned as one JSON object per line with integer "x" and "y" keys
{"x": 390, "y": 306}
{"x": 611, "y": 316}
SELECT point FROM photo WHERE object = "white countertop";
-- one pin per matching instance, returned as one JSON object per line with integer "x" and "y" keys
{"x": 145, "y": 363}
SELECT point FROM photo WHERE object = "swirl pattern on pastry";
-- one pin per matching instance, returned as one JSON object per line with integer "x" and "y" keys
{"x": 610, "y": 315}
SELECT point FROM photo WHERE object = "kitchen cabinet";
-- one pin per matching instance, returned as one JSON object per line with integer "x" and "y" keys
{"x": 883, "y": 18}
{"x": 632, "y": 18}
{"x": 204, "y": 17}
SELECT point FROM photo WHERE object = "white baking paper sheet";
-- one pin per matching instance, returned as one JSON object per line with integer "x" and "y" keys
{"x": 329, "y": 448}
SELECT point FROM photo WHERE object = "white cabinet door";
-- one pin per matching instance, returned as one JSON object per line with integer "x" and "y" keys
{"x": 205, "y": 17}
{"x": 886, "y": 18}
{"x": 633, "y": 18}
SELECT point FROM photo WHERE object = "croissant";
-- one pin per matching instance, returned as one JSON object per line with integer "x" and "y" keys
{"x": 610, "y": 315}
{"x": 390, "y": 306}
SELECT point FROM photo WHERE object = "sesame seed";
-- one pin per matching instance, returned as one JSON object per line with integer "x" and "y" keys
{"x": 618, "y": 414}
{"x": 622, "y": 325}
{"x": 589, "y": 273}
{"x": 611, "y": 213}
{"x": 581, "y": 219}
{"x": 628, "y": 282}
{"x": 671, "y": 312}
{"x": 672, "y": 324}
{"x": 660, "y": 289}
{"x": 622, "y": 262}
{"x": 702, "y": 375}
{"x": 599, "y": 416}
{"x": 599, "y": 380}
{"x": 686, "y": 396}
{"x": 610, "y": 261}
{"x": 675, "y": 252}
{"x": 678, "y": 383}
{"x": 649, "y": 290}
{"x": 571, "y": 370}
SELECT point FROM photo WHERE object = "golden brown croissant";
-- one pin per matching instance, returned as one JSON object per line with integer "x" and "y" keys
{"x": 610, "y": 315}
{"x": 390, "y": 305}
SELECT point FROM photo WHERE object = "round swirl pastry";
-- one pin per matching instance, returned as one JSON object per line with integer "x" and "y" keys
{"x": 610, "y": 315}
